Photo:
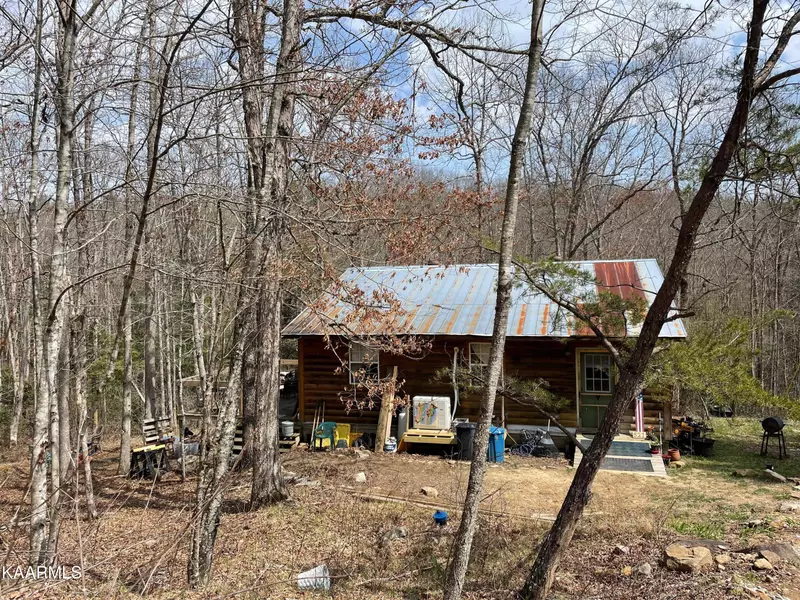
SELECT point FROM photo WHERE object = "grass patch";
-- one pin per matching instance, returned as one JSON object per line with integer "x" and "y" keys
{"x": 738, "y": 446}
{"x": 711, "y": 526}
{"x": 694, "y": 529}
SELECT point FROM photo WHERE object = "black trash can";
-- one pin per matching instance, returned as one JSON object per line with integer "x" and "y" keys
{"x": 465, "y": 434}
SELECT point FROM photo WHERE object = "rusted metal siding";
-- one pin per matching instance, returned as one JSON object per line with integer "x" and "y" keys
{"x": 458, "y": 300}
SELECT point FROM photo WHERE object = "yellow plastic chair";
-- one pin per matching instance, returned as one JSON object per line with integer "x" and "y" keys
{"x": 342, "y": 434}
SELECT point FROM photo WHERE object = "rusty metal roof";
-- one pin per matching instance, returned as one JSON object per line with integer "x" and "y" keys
{"x": 458, "y": 300}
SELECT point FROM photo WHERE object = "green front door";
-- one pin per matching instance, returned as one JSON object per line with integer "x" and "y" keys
{"x": 597, "y": 385}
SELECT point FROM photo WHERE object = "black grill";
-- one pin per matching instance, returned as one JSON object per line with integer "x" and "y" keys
{"x": 772, "y": 425}
{"x": 773, "y": 428}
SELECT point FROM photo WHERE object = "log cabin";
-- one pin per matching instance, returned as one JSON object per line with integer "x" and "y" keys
{"x": 363, "y": 325}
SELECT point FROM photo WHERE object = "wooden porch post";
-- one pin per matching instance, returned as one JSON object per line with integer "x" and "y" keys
{"x": 301, "y": 376}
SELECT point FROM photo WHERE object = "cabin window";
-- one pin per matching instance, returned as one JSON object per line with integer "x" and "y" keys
{"x": 479, "y": 358}
{"x": 596, "y": 373}
{"x": 364, "y": 363}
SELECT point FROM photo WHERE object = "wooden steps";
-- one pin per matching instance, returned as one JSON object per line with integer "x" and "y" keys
{"x": 617, "y": 462}
{"x": 286, "y": 444}
{"x": 429, "y": 436}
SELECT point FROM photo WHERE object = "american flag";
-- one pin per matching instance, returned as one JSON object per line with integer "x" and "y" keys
{"x": 639, "y": 412}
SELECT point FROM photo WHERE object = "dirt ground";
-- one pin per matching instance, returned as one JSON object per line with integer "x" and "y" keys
{"x": 390, "y": 548}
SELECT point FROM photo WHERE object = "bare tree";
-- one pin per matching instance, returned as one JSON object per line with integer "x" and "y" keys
{"x": 44, "y": 504}
{"x": 210, "y": 485}
{"x": 462, "y": 544}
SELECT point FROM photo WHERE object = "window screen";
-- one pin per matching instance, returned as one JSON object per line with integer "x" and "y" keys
{"x": 596, "y": 373}
{"x": 479, "y": 357}
{"x": 364, "y": 363}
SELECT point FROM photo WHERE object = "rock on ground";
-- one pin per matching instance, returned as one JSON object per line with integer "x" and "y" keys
{"x": 790, "y": 506}
{"x": 753, "y": 523}
{"x": 786, "y": 552}
{"x": 360, "y": 477}
{"x": 744, "y": 473}
{"x": 396, "y": 533}
{"x": 305, "y": 482}
{"x": 644, "y": 569}
{"x": 688, "y": 560}
{"x": 776, "y": 476}
{"x": 762, "y": 564}
{"x": 723, "y": 559}
{"x": 771, "y": 556}
{"x": 754, "y": 591}
{"x": 430, "y": 491}
{"x": 192, "y": 462}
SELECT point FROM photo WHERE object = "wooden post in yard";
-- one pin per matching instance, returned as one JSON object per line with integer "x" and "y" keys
{"x": 385, "y": 416}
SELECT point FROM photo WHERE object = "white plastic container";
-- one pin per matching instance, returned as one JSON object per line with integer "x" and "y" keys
{"x": 431, "y": 412}
{"x": 318, "y": 578}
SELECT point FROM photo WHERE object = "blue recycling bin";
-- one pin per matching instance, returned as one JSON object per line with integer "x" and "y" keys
{"x": 497, "y": 445}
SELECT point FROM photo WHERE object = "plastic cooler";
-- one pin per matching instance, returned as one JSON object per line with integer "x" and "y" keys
{"x": 497, "y": 445}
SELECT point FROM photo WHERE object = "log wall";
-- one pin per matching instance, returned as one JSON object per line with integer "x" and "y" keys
{"x": 322, "y": 379}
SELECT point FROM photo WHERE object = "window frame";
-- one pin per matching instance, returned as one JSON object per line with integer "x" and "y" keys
{"x": 488, "y": 351}
{"x": 365, "y": 350}
{"x": 585, "y": 356}
{"x": 473, "y": 366}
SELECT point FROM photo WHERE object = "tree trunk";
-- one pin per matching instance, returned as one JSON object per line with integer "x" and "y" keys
{"x": 39, "y": 444}
{"x": 385, "y": 414}
{"x": 14, "y": 338}
{"x": 631, "y": 372}
{"x": 61, "y": 450}
{"x": 268, "y": 484}
{"x": 249, "y": 23}
{"x": 249, "y": 31}
{"x": 127, "y": 392}
{"x": 268, "y": 487}
{"x": 462, "y": 544}
{"x": 77, "y": 331}
{"x": 249, "y": 394}
{"x": 78, "y": 341}
{"x": 47, "y": 399}
{"x": 19, "y": 395}
{"x": 268, "y": 161}
{"x": 124, "y": 325}
{"x": 150, "y": 368}
{"x": 64, "y": 412}
{"x": 215, "y": 466}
